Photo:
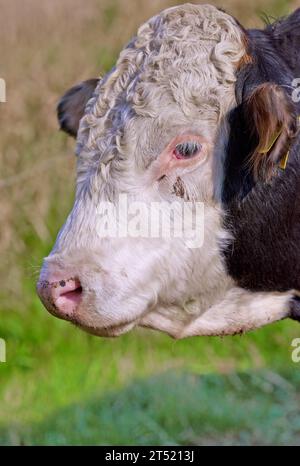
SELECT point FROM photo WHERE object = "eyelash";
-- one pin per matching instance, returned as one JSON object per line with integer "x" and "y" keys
{"x": 187, "y": 149}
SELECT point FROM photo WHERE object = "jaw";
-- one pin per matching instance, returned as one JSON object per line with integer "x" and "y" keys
{"x": 169, "y": 319}
{"x": 108, "y": 332}
{"x": 104, "y": 320}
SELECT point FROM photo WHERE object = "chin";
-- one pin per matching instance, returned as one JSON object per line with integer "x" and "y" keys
{"x": 108, "y": 332}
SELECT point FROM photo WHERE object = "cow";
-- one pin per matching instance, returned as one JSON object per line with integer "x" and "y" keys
{"x": 199, "y": 110}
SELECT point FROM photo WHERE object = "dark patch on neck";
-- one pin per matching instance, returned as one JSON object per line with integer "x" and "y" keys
{"x": 264, "y": 254}
{"x": 238, "y": 178}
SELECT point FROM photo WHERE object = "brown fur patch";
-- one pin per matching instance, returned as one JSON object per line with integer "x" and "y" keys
{"x": 178, "y": 187}
{"x": 246, "y": 59}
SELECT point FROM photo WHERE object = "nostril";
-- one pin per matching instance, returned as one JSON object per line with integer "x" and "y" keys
{"x": 69, "y": 296}
{"x": 73, "y": 296}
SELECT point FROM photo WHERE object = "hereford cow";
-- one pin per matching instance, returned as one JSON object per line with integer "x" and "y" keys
{"x": 197, "y": 110}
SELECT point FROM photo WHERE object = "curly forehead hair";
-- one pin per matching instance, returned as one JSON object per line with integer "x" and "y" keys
{"x": 186, "y": 57}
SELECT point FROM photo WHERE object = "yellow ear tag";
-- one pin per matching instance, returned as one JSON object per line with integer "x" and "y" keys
{"x": 273, "y": 140}
{"x": 283, "y": 162}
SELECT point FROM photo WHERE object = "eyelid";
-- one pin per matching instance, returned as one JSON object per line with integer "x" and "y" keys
{"x": 187, "y": 149}
{"x": 187, "y": 137}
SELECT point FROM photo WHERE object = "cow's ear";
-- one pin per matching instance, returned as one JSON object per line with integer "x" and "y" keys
{"x": 286, "y": 39}
{"x": 71, "y": 106}
{"x": 272, "y": 118}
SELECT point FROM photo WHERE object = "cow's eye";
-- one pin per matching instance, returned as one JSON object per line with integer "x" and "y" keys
{"x": 187, "y": 149}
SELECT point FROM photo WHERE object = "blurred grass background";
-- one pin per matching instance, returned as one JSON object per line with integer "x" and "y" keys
{"x": 59, "y": 385}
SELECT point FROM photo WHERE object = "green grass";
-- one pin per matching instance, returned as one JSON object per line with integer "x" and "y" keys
{"x": 167, "y": 409}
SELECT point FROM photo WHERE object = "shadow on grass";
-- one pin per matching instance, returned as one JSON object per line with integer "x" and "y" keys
{"x": 177, "y": 409}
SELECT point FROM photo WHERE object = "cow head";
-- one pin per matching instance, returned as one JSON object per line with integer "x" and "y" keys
{"x": 154, "y": 130}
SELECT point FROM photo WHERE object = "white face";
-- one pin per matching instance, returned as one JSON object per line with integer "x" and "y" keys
{"x": 149, "y": 134}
